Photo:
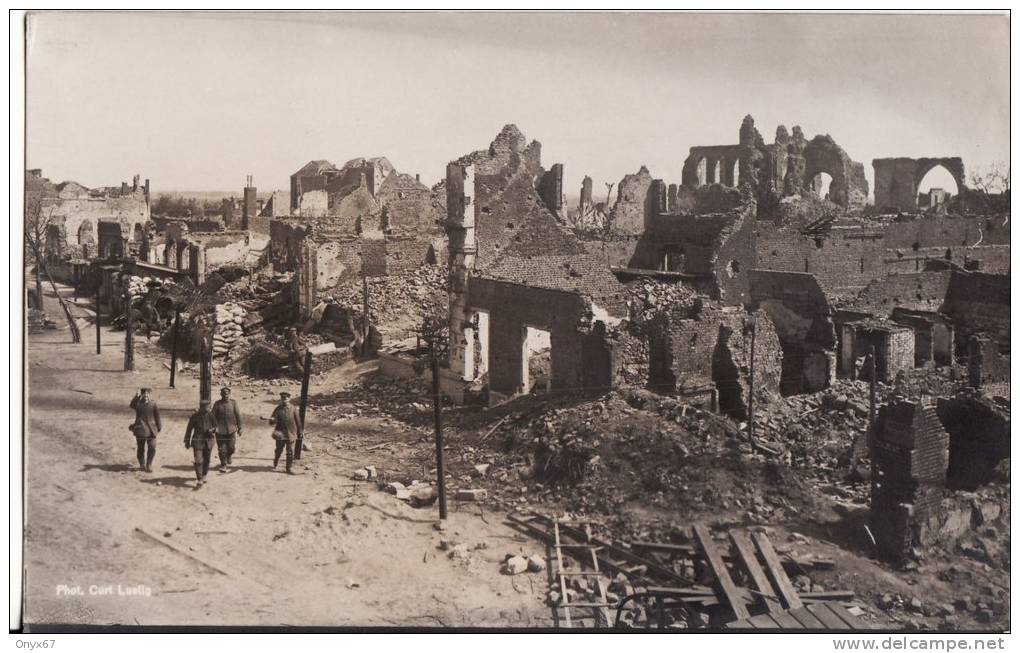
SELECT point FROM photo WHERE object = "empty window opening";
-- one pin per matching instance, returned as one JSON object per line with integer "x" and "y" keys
{"x": 536, "y": 372}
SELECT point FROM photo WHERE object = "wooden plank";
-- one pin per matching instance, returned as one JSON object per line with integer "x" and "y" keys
{"x": 775, "y": 570}
{"x": 763, "y": 621}
{"x": 786, "y": 621}
{"x": 564, "y": 597}
{"x": 834, "y": 595}
{"x": 830, "y": 620}
{"x": 742, "y": 623}
{"x": 854, "y": 622}
{"x": 806, "y": 619}
{"x": 729, "y": 589}
{"x": 745, "y": 551}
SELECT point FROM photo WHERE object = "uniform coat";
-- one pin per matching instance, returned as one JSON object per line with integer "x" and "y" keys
{"x": 227, "y": 415}
{"x": 288, "y": 424}
{"x": 201, "y": 430}
{"x": 147, "y": 423}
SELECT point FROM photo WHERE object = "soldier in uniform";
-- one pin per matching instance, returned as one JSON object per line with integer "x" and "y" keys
{"x": 228, "y": 427}
{"x": 200, "y": 437}
{"x": 287, "y": 429}
{"x": 146, "y": 427}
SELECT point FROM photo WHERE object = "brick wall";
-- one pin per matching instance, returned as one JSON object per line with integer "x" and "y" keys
{"x": 979, "y": 303}
{"x": 909, "y": 458}
{"x": 514, "y": 307}
{"x": 850, "y": 257}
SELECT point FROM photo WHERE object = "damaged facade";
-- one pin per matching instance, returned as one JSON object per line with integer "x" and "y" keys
{"x": 91, "y": 223}
{"x": 520, "y": 282}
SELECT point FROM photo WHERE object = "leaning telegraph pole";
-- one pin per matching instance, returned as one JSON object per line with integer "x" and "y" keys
{"x": 305, "y": 378}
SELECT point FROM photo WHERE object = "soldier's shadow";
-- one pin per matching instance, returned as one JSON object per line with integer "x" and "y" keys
{"x": 119, "y": 467}
{"x": 173, "y": 481}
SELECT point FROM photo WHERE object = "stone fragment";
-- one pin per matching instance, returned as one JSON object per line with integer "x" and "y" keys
{"x": 515, "y": 565}
{"x": 361, "y": 475}
{"x": 471, "y": 495}
{"x": 536, "y": 563}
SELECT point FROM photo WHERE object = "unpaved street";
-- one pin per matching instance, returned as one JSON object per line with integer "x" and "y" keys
{"x": 107, "y": 544}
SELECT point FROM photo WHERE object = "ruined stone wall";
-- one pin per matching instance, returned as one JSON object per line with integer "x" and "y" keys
{"x": 313, "y": 203}
{"x": 897, "y": 180}
{"x": 78, "y": 217}
{"x": 511, "y": 309}
{"x": 849, "y": 258}
{"x": 909, "y": 459}
{"x": 785, "y": 167}
{"x": 921, "y": 291}
{"x": 285, "y": 239}
{"x": 979, "y": 303}
{"x": 635, "y": 204}
{"x": 410, "y": 206}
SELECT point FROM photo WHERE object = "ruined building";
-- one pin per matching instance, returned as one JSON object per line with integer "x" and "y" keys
{"x": 364, "y": 219}
{"x": 520, "y": 282}
{"x": 791, "y": 165}
{"x": 898, "y": 180}
{"x": 87, "y": 223}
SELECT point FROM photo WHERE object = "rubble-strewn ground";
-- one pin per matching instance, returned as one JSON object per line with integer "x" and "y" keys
{"x": 253, "y": 546}
{"x": 646, "y": 468}
{"x": 642, "y": 466}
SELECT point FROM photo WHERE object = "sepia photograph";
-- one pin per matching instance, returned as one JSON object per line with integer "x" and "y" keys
{"x": 538, "y": 322}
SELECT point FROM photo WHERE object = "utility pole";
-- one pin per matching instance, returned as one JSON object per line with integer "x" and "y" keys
{"x": 205, "y": 373}
{"x": 872, "y": 387}
{"x": 99, "y": 332}
{"x": 304, "y": 403}
{"x": 437, "y": 405}
{"x": 364, "y": 312}
{"x": 750, "y": 393}
{"x": 173, "y": 347}
{"x": 129, "y": 335}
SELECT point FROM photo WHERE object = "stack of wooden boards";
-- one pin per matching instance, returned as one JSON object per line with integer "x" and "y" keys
{"x": 742, "y": 582}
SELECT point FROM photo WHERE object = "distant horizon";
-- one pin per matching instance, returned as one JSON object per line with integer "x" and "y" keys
{"x": 194, "y": 101}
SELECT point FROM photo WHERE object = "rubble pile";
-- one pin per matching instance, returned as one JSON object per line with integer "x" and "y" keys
{"x": 649, "y": 298}
{"x": 397, "y": 302}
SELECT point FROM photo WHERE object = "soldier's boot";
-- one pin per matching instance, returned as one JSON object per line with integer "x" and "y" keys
{"x": 198, "y": 474}
{"x": 290, "y": 460}
{"x": 141, "y": 457}
{"x": 205, "y": 463}
{"x": 149, "y": 458}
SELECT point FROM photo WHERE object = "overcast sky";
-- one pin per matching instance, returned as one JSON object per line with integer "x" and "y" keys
{"x": 197, "y": 101}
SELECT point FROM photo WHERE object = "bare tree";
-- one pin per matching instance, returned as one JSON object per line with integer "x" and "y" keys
{"x": 991, "y": 179}
{"x": 37, "y": 228}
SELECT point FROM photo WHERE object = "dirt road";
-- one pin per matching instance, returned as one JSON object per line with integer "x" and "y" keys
{"x": 108, "y": 544}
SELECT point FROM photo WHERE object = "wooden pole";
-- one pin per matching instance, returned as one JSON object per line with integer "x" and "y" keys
{"x": 173, "y": 346}
{"x": 750, "y": 392}
{"x": 364, "y": 312}
{"x": 129, "y": 335}
{"x": 437, "y": 405}
{"x": 304, "y": 403}
{"x": 99, "y": 332}
{"x": 872, "y": 383}
{"x": 205, "y": 373}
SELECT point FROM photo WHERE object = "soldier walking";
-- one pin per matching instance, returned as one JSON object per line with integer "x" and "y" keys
{"x": 288, "y": 428}
{"x": 228, "y": 427}
{"x": 200, "y": 437}
{"x": 146, "y": 427}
